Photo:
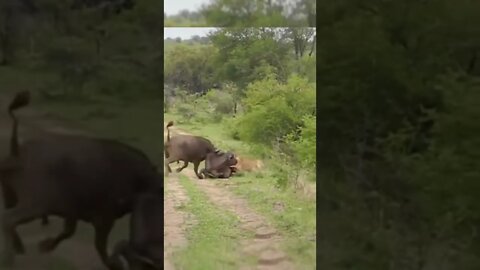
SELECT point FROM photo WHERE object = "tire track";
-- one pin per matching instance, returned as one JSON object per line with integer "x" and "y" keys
{"x": 176, "y": 221}
{"x": 265, "y": 245}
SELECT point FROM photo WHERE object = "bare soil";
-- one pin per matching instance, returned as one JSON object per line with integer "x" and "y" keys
{"x": 176, "y": 220}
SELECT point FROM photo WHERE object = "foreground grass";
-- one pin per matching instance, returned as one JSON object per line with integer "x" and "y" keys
{"x": 291, "y": 213}
{"x": 213, "y": 242}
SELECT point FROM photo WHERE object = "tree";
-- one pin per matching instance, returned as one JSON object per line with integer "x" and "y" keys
{"x": 392, "y": 161}
{"x": 243, "y": 13}
{"x": 190, "y": 67}
{"x": 244, "y": 52}
{"x": 300, "y": 38}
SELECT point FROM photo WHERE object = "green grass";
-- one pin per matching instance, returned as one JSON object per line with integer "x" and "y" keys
{"x": 213, "y": 242}
{"x": 296, "y": 222}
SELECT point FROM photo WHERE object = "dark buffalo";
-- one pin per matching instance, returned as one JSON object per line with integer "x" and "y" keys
{"x": 187, "y": 148}
{"x": 219, "y": 165}
{"x": 144, "y": 249}
{"x": 72, "y": 177}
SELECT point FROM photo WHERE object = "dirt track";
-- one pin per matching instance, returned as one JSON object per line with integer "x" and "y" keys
{"x": 175, "y": 220}
{"x": 264, "y": 247}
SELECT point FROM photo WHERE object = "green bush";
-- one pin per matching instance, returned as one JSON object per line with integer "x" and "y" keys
{"x": 204, "y": 111}
{"x": 273, "y": 109}
{"x": 305, "y": 146}
{"x": 186, "y": 111}
{"x": 221, "y": 101}
{"x": 231, "y": 127}
{"x": 306, "y": 67}
{"x": 268, "y": 123}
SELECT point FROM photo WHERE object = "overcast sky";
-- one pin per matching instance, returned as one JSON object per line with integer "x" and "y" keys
{"x": 186, "y": 32}
{"x": 172, "y": 7}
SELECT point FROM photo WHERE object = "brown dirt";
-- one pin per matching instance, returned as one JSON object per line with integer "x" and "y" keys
{"x": 265, "y": 245}
{"x": 175, "y": 220}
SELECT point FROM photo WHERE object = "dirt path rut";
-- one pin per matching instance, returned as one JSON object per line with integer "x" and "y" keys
{"x": 176, "y": 221}
{"x": 265, "y": 246}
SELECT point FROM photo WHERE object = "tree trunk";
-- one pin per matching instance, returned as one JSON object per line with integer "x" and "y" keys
{"x": 296, "y": 50}
{"x": 314, "y": 42}
{"x": 302, "y": 45}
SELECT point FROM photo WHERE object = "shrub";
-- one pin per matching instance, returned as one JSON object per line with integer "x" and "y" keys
{"x": 268, "y": 123}
{"x": 186, "y": 111}
{"x": 221, "y": 101}
{"x": 305, "y": 146}
{"x": 274, "y": 109}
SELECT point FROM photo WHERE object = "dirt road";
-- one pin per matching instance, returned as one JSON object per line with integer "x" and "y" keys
{"x": 265, "y": 246}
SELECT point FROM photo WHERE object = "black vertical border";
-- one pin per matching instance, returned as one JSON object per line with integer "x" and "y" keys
{"x": 161, "y": 110}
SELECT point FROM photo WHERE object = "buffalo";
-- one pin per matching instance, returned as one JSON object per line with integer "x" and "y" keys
{"x": 77, "y": 178}
{"x": 187, "y": 148}
{"x": 144, "y": 249}
{"x": 219, "y": 165}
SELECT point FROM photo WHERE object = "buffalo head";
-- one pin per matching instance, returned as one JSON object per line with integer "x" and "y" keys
{"x": 219, "y": 164}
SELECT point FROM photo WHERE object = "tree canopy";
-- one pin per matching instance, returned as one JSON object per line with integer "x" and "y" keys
{"x": 397, "y": 107}
{"x": 246, "y": 13}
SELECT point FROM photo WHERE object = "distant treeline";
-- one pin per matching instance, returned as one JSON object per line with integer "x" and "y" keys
{"x": 246, "y": 13}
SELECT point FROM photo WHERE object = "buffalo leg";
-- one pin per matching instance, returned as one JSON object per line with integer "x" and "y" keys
{"x": 49, "y": 244}
{"x": 227, "y": 172}
{"x": 120, "y": 258}
{"x": 9, "y": 201}
{"x": 185, "y": 164}
{"x": 195, "y": 168}
{"x": 203, "y": 172}
{"x": 10, "y": 220}
{"x": 102, "y": 230}
{"x": 167, "y": 164}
